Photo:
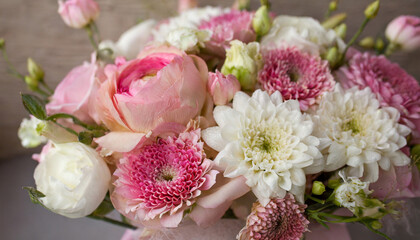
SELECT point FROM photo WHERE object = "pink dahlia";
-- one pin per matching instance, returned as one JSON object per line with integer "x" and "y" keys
{"x": 296, "y": 75}
{"x": 392, "y": 85}
{"x": 227, "y": 27}
{"x": 157, "y": 182}
{"x": 281, "y": 219}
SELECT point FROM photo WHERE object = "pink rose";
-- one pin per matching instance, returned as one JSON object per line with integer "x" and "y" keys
{"x": 78, "y": 13}
{"x": 163, "y": 86}
{"x": 398, "y": 182}
{"x": 76, "y": 92}
{"x": 404, "y": 31}
{"x": 222, "y": 88}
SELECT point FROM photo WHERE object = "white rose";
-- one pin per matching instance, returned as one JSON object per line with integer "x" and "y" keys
{"x": 306, "y": 33}
{"x": 28, "y": 134}
{"x": 188, "y": 39}
{"x": 74, "y": 179}
{"x": 132, "y": 41}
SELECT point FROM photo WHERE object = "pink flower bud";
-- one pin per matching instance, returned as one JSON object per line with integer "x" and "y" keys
{"x": 404, "y": 31}
{"x": 222, "y": 87}
{"x": 186, "y": 4}
{"x": 78, "y": 13}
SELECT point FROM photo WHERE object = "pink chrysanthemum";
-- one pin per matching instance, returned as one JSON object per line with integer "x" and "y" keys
{"x": 392, "y": 85}
{"x": 157, "y": 182}
{"x": 281, "y": 219}
{"x": 296, "y": 75}
{"x": 229, "y": 26}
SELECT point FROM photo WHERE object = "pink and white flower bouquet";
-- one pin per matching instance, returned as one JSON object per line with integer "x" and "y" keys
{"x": 220, "y": 114}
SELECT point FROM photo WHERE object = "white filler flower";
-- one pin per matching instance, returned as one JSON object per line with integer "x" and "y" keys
{"x": 28, "y": 133}
{"x": 351, "y": 193}
{"x": 74, "y": 179}
{"x": 266, "y": 140}
{"x": 356, "y": 132}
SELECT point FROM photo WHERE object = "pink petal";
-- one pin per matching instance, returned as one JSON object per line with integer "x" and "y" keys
{"x": 120, "y": 141}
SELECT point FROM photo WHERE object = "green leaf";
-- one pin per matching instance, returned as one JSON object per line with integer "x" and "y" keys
{"x": 35, "y": 195}
{"x": 34, "y": 106}
{"x": 104, "y": 208}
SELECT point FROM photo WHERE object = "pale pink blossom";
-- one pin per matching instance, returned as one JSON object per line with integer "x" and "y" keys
{"x": 296, "y": 75}
{"x": 233, "y": 25}
{"x": 392, "y": 86}
{"x": 158, "y": 182}
{"x": 76, "y": 93}
{"x": 163, "y": 85}
{"x": 184, "y": 5}
{"x": 280, "y": 219}
{"x": 222, "y": 88}
{"x": 78, "y": 13}
{"x": 404, "y": 31}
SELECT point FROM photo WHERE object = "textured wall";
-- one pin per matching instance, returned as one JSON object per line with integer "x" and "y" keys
{"x": 33, "y": 28}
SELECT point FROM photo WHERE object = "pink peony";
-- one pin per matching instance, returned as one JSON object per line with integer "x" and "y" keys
{"x": 227, "y": 27}
{"x": 76, "y": 92}
{"x": 404, "y": 31}
{"x": 281, "y": 219}
{"x": 78, "y": 13}
{"x": 392, "y": 85}
{"x": 296, "y": 75}
{"x": 157, "y": 182}
{"x": 222, "y": 88}
{"x": 162, "y": 86}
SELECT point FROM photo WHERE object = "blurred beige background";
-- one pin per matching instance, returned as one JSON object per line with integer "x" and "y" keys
{"x": 33, "y": 28}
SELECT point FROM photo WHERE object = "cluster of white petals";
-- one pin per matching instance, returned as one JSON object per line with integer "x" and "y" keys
{"x": 356, "y": 132}
{"x": 350, "y": 194}
{"x": 267, "y": 141}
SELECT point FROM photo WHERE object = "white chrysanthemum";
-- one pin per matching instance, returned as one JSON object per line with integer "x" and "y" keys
{"x": 267, "y": 141}
{"x": 28, "y": 133}
{"x": 188, "y": 19}
{"x": 351, "y": 193}
{"x": 356, "y": 132}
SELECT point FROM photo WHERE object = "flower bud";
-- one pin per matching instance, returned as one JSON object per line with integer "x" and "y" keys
{"x": 372, "y": 10}
{"x": 367, "y": 42}
{"x": 341, "y": 30}
{"x": 243, "y": 61}
{"x": 73, "y": 178}
{"x": 334, "y": 21}
{"x": 78, "y": 13}
{"x": 379, "y": 44}
{"x": 404, "y": 31}
{"x": 332, "y": 56}
{"x": 318, "y": 188}
{"x": 184, "y": 5}
{"x": 261, "y": 21}
{"x": 35, "y": 71}
{"x": 31, "y": 83}
{"x": 28, "y": 134}
{"x": 333, "y": 6}
{"x": 376, "y": 225}
{"x": 54, "y": 132}
{"x": 2, "y": 43}
{"x": 222, "y": 88}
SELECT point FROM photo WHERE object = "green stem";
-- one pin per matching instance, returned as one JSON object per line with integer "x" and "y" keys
{"x": 354, "y": 38}
{"x": 75, "y": 120}
{"x": 43, "y": 83}
{"x": 390, "y": 48}
{"x": 10, "y": 66}
{"x": 91, "y": 36}
{"x": 112, "y": 221}
{"x": 41, "y": 92}
{"x": 315, "y": 199}
{"x": 67, "y": 129}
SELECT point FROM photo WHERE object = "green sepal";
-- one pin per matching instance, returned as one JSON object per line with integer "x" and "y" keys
{"x": 34, "y": 106}
{"x": 35, "y": 195}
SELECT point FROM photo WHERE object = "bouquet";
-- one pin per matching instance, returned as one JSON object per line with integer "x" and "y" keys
{"x": 229, "y": 113}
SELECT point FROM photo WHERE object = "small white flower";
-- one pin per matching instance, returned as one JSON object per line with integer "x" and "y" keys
{"x": 188, "y": 39}
{"x": 28, "y": 133}
{"x": 306, "y": 33}
{"x": 352, "y": 193}
{"x": 266, "y": 140}
{"x": 357, "y": 133}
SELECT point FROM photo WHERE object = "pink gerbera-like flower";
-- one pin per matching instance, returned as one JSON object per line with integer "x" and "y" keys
{"x": 229, "y": 26}
{"x": 281, "y": 219}
{"x": 157, "y": 182}
{"x": 296, "y": 75}
{"x": 392, "y": 85}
